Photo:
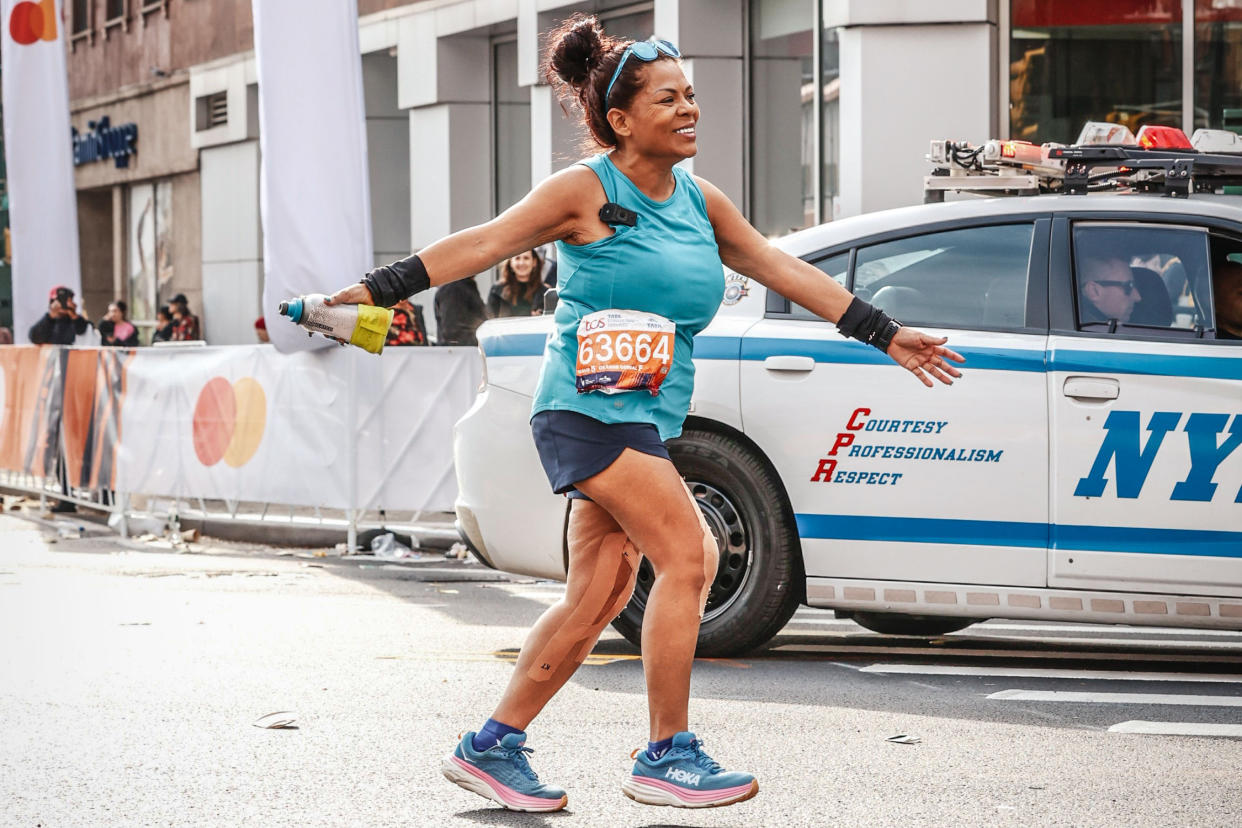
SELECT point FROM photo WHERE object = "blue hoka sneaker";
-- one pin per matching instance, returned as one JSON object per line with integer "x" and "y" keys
{"x": 502, "y": 774}
{"x": 686, "y": 777}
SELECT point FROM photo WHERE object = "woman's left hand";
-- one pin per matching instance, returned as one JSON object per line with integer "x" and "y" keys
{"x": 921, "y": 354}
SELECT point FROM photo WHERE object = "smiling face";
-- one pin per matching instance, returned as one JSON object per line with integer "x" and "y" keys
{"x": 660, "y": 122}
{"x": 522, "y": 265}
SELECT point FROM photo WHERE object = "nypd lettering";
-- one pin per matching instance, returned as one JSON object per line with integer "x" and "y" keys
{"x": 1130, "y": 451}
{"x": 862, "y": 425}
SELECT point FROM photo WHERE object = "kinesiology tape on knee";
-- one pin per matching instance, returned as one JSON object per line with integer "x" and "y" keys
{"x": 606, "y": 593}
{"x": 390, "y": 284}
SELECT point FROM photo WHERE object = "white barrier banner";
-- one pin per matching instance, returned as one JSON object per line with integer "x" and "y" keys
{"x": 43, "y": 205}
{"x": 314, "y": 199}
{"x": 249, "y": 423}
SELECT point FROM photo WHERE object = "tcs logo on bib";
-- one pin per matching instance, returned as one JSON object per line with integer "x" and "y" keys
{"x": 31, "y": 22}
{"x": 229, "y": 419}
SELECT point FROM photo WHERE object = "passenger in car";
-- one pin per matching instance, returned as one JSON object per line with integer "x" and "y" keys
{"x": 1107, "y": 290}
{"x": 1227, "y": 291}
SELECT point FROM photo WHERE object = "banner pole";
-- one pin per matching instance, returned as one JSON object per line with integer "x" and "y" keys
{"x": 351, "y": 453}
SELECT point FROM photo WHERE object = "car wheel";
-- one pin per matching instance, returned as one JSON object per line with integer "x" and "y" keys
{"x": 895, "y": 623}
{"x": 758, "y": 581}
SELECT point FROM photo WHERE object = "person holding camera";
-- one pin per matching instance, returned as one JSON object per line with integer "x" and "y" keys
{"x": 61, "y": 325}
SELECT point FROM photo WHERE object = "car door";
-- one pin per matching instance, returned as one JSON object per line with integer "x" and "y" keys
{"x": 889, "y": 479}
{"x": 1146, "y": 411}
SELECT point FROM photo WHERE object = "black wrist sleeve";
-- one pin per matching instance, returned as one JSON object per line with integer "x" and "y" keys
{"x": 869, "y": 324}
{"x": 401, "y": 279}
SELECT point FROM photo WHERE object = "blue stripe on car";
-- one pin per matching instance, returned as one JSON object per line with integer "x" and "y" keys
{"x": 847, "y": 352}
{"x": 1013, "y": 533}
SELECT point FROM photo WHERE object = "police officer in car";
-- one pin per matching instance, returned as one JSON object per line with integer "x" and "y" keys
{"x": 1107, "y": 290}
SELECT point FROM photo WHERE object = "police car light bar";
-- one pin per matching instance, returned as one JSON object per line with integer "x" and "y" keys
{"x": 1216, "y": 140}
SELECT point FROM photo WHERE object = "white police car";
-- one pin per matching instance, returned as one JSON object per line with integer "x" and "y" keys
{"x": 1087, "y": 467}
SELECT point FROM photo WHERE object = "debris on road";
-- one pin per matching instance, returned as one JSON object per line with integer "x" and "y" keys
{"x": 280, "y": 720}
{"x": 904, "y": 739}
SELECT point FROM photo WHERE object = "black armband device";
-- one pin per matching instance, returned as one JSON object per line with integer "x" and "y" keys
{"x": 401, "y": 279}
{"x": 869, "y": 324}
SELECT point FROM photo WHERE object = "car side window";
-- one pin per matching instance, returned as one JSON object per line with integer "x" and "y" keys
{"x": 836, "y": 267}
{"x": 1142, "y": 278}
{"x": 975, "y": 277}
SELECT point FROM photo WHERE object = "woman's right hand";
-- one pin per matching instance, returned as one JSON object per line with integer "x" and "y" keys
{"x": 355, "y": 294}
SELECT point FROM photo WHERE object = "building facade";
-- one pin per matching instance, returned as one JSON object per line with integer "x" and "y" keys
{"x": 812, "y": 110}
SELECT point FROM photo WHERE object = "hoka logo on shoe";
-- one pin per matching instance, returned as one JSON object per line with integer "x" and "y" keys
{"x": 684, "y": 777}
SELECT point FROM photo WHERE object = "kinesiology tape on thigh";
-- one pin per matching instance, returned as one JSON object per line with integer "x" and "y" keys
{"x": 606, "y": 593}
{"x": 711, "y": 553}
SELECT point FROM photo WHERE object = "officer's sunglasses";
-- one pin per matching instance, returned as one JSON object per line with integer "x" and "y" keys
{"x": 1129, "y": 287}
{"x": 644, "y": 50}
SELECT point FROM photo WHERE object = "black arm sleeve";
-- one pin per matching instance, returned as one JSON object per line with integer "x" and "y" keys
{"x": 869, "y": 324}
{"x": 391, "y": 283}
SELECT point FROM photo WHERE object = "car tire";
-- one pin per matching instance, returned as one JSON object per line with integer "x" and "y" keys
{"x": 759, "y": 582}
{"x": 925, "y": 626}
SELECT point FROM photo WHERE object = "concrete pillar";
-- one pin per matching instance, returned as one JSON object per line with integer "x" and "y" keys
{"x": 939, "y": 61}
{"x": 232, "y": 241}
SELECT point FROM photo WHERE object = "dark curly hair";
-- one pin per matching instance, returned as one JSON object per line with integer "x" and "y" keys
{"x": 579, "y": 62}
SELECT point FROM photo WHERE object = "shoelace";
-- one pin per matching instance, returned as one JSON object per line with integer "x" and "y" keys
{"x": 517, "y": 756}
{"x": 696, "y": 754}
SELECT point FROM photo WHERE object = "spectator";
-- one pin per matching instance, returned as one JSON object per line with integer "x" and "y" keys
{"x": 185, "y": 324}
{"x": 459, "y": 312}
{"x": 163, "y": 325}
{"x": 407, "y": 325}
{"x": 6, "y": 336}
{"x": 519, "y": 292}
{"x": 1108, "y": 290}
{"x": 260, "y": 331}
{"x": 1227, "y": 289}
{"x": 61, "y": 324}
{"x": 116, "y": 329}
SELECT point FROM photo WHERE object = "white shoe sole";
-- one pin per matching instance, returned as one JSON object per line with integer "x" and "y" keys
{"x": 649, "y": 794}
{"x": 458, "y": 775}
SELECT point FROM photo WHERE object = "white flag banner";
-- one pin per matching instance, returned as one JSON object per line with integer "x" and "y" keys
{"x": 312, "y": 133}
{"x": 43, "y": 210}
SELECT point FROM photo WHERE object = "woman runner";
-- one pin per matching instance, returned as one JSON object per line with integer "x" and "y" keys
{"x": 640, "y": 245}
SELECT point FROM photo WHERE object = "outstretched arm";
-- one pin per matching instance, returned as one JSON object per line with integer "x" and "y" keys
{"x": 549, "y": 212}
{"x": 745, "y": 250}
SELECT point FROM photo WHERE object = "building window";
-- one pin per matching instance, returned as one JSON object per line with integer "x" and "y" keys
{"x": 1108, "y": 60}
{"x": 115, "y": 10}
{"x": 794, "y": 155}
{"x": 1218, "y": 64}
{"x": 150, "y": 249}
{"x": 211, "y": 111}
{"x": 81, "y": 16}
{"x": 510, "y": 128}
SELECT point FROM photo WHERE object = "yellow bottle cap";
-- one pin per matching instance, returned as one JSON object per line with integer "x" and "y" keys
{"x": 372, "y": 328}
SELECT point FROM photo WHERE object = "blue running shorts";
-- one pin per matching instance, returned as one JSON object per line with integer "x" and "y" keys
{"x": 573, "y": 446}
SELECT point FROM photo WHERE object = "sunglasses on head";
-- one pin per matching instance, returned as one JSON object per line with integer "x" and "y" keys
{"x": 1128, "y": 287}
{"x": 644, "y": 50}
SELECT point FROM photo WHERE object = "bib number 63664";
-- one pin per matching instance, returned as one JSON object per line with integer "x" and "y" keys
{"x": 620, "y": 350}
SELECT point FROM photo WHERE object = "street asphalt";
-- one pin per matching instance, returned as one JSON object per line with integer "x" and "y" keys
{"x": 131, "y": 674}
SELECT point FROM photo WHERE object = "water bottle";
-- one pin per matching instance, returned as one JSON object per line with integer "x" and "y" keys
{"x": 363, "y": 325}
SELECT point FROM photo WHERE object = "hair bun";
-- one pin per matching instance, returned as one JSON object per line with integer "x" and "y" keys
{"x": 577, "y": 48}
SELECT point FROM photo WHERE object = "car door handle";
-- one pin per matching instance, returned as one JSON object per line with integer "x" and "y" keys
{"x": 789, "y": 363}
{"x": 1092, "y": 388}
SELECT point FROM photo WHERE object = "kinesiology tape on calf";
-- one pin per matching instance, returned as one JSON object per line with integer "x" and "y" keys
{"x": 606, "y": 594}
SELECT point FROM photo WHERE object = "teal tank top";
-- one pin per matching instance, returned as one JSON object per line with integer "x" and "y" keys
{"x": 667, "y": 264}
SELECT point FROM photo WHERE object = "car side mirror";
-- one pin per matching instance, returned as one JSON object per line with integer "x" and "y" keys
{"x": 550, "y": 299}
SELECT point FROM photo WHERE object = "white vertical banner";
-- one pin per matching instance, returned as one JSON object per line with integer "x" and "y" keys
{"x": 312, "y": 133}
{"x": 43, "y": 208}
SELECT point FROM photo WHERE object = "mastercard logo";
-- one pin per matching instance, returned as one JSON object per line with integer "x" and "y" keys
{"x": 229, "y": 419}
{"x": 31, "y": 22}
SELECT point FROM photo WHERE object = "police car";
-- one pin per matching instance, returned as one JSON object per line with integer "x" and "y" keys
{"x": 1088, "y": 466}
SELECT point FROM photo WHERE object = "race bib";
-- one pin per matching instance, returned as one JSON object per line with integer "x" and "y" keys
{"x": 623, "y": 350}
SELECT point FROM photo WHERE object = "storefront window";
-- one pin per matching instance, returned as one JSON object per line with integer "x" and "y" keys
{"x": 150, "y": 249}
{"x": 1073, "y": 61}
{"x": 786, "y": 159}
{"x": 511, "y": 121}
{"x": 1218, "y": 64}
